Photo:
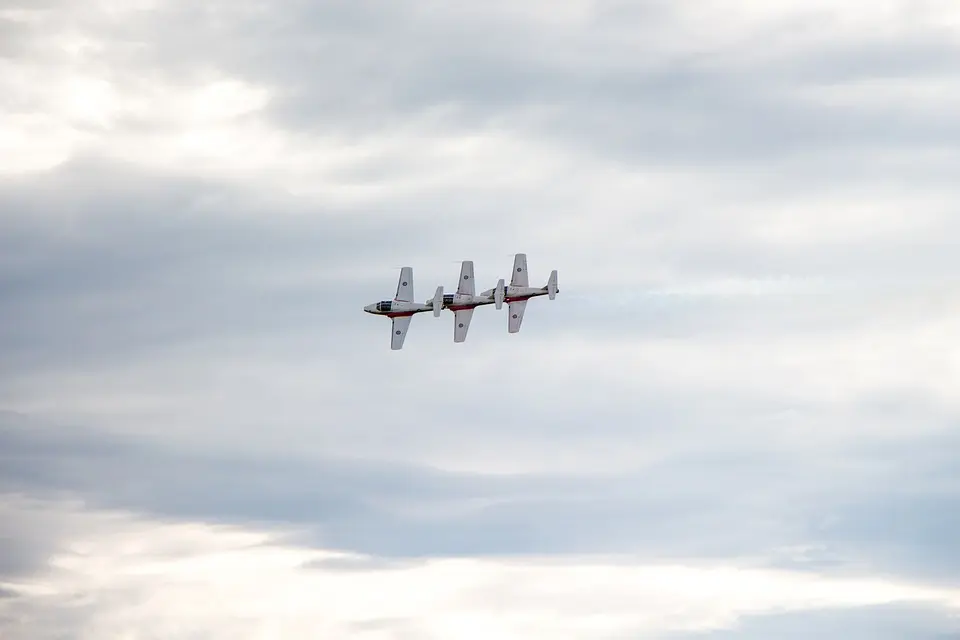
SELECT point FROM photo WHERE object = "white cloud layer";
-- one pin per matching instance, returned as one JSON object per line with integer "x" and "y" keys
{"x": 116, "y": 576}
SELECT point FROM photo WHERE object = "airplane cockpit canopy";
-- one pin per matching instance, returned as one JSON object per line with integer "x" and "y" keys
{"x": 385, "y": 305}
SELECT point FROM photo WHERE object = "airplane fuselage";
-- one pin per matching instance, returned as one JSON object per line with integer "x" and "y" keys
{"x": 513, "y": 293}
{"x": 397, "y": 308}
{"x": 459, "y": 301}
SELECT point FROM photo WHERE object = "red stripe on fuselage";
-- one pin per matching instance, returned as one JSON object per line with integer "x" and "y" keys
{"x": 401, "y": 314}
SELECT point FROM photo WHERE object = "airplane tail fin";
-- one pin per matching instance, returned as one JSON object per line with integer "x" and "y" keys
{"x": 552, "y": 285}
{"x": 438, "y": 302}
{"x": 499, "y": 294}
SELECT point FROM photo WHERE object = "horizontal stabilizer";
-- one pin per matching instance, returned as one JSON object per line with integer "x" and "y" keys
{"x": 552, "y": 285}
{"x": 438, "y": 302}
{"x": 499, "y": 294}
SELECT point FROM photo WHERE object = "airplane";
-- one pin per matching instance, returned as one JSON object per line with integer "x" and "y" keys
{"x": 402, "y": 308}
{"x": 519, "y": 292}
{"x": 465, "y": 300}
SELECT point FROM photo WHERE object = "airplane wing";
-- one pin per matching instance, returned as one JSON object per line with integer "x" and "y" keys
{"x": 519, "y": 278}
{"x": 461, "y": 324}
{"x": 466, "y": 286}
{"x": 399, "y": 333}
{"x": 405, "y": 285}
{"x": 515, "y": 315}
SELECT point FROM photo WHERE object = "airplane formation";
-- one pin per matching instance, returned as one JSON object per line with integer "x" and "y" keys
{"x": 462, "y": 303}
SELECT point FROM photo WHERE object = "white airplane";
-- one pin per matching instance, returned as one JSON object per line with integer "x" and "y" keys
{"x": 519, "y": 291}
{"x": 402, "y": 308}
{"x": 465, "y": 300}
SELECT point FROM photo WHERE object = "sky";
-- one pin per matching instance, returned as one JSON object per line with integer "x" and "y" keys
{"x": 737, "y": 420}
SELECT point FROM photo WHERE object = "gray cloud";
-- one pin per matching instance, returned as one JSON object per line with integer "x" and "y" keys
{"x": 27, "y": 537}
{"x": 755, "y": 504}
{"x": 104, "y": 262}
{"x": 865, "y": 623}
{"x": 188, "y": 343}
{"x": 625, "y": 100}
{"x": 911, "y": 521}
{"x": 139, "y": 263}
{"x": 622, "y": 98}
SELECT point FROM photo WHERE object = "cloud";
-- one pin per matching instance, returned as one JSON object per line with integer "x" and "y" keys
{"x": 825, "y": 510}
{"x": 120, "y": 575}
{"x": 868, "y": 623}
{"x": 749, "y": 364}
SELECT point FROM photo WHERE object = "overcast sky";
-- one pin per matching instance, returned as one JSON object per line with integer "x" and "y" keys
{"x": 738, "y": 419}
